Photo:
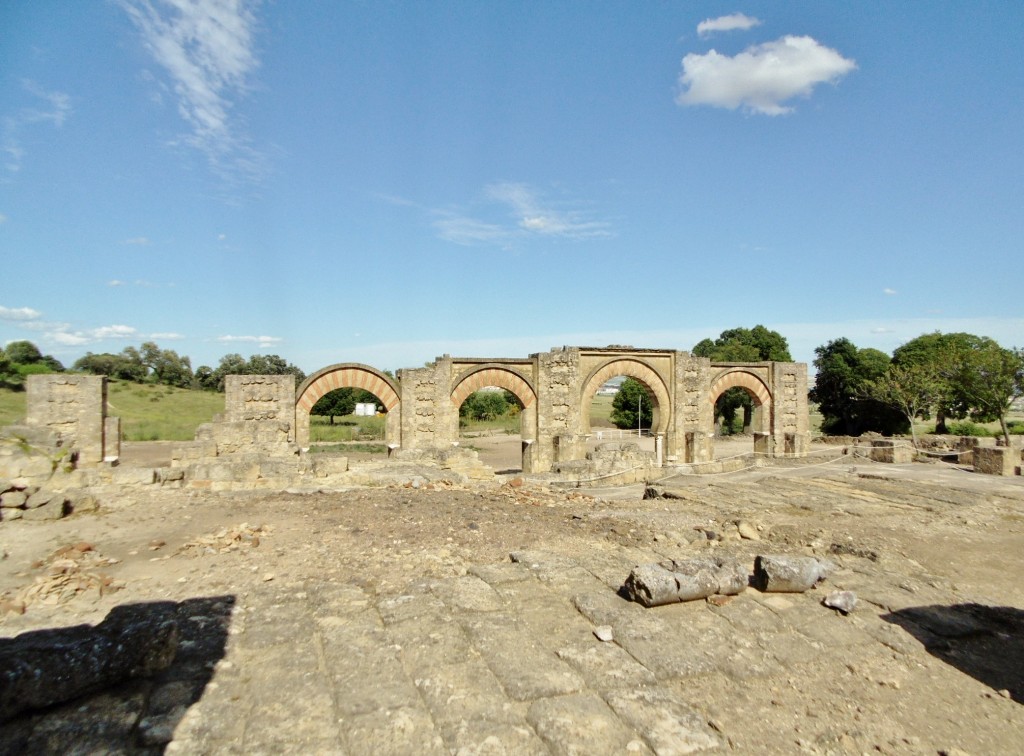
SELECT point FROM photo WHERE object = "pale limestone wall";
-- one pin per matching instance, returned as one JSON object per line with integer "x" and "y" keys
{"x": 694, "y": 415}
{"x": 791, "y": 422}
{"x": 559, "y": 425}
{"x": 428, "y": 420}
{"x": 74, "y": 407}
{"x": 259, "y": 415}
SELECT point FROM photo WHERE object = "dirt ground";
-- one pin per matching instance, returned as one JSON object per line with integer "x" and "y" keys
{"x": 461, "y": 620}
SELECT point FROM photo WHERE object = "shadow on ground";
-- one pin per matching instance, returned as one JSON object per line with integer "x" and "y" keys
{"x": 985, "y": 642}
{"x": 134, "y": 716}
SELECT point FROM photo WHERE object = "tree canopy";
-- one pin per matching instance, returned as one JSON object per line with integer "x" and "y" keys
{"x": 632, "y": 397}
{"x": 840, "y": 390}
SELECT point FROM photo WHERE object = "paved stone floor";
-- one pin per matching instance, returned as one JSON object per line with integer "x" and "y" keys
{"x": 423, "y": 622}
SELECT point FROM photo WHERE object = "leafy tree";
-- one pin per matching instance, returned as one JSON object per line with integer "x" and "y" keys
{"x": 633, "y": 396}
{"x": 257, "y": 364}
{"x": 757, "y": 344}
{"x": 991, "y": 378}
{"x": 9, "y": 375}
{"x": 941, "y": 351}
{"x": 23, "y": 353}
{"x": 485, "y": 405}
{"x": 844, "y": 371}
{"x": 911, "y": 389}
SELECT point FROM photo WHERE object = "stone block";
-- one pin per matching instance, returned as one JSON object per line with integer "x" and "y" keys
{"x": 52, "y": 510}
{"x": 893, "y": 452}
{"x": 13, "y": 500}
{"x": 996, "y": 460}
{"x": 326, "y": 465}
{"x": 133, "y": 476}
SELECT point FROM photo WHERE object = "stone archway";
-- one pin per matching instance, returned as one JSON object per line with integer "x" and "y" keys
{"x": 754, "y": 386}
{"x": 511, "y": 380}
{"x": 347, "y": 375}
{"x": 662, "y": 411}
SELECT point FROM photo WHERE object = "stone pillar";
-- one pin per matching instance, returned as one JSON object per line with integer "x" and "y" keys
{"x": 528, "y": 465}
{"x": 558, "y": 407}
{"x": 659, "y": 450}
{"x": 111, "y": 439}
{"x": 764, "y": 444}
{"x": 72, "y": 406}
{"x": 429, "y": 420}
{"x": 790, "y": 422}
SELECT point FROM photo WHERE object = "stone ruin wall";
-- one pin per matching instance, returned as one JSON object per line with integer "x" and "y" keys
{"x": 74, "y": 409}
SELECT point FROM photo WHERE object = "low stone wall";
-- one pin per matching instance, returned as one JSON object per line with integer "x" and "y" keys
{"x": 997, "y": 460}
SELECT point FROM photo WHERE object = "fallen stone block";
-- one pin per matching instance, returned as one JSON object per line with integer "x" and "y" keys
{"x": 684, "y": 580}
{"x": 45, "y": 667}
{"x": 13, "y": 500}
{"x": 789, "y": 574}
{"x": 844, "y": 601}
{"x": 54, "y": 509}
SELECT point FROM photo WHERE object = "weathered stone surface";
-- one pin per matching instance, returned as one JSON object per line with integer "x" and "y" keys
{"x": 582, "y": 724}
{"x": 45, "y": 667}
{"x": 668, "y": 724}
{"x": 996, "y": 460}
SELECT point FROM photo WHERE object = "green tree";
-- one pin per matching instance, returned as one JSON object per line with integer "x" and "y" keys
{"x": 633, "y": 396}
{"x": 485, "y": 405}
{"x": 940, "y": 351}
{"x": 9, "y": 375}
{"x": 23, "y": 353}
{"x": 844, "y": 372}
{"x": 991, "y": 378}
{"x": 757, "y": 344}
{"x": 911, "y": 389}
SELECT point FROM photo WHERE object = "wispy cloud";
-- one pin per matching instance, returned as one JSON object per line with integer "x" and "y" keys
{"x": 137, "y": 241}
{"x": 732, "y": 22}
{"x": 48, "y": 108}
{"x": 3, "y": 218}
{"x": 889, "y": 292}
{"x": 19, "y": 314}
{"x": 524, "y": 212}
{"x": 207, "y": 49}
{"x": 62, "y": 334}
{"x": 262, "y": 341}
{"x": 762, "y": 77}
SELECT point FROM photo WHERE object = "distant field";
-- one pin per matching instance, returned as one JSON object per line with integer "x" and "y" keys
{"x": 161, "y": 413}
{"x": 12, "y": 407}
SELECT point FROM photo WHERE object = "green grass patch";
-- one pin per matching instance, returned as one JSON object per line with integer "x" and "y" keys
{"x": 346, "y": 428}
{"x": 12, "y": 406}
{"x": 508, "y": 424}
{"x": 160, "y": 413}
{"x": 601, "y": 412}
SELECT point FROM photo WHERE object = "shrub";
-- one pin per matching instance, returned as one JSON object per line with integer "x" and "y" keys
{"x": 967, "y": 428}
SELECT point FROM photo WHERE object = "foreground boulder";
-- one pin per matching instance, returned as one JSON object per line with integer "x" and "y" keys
{"x": 45, "y": 667}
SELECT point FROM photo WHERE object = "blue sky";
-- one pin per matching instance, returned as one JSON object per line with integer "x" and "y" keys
{"x": 386, "y": 182}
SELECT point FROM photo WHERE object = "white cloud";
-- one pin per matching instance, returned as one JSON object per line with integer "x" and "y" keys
{"x": 531, "y": 215}
{"x": 762, "y": 77}
{"x": 731, "y": 22}
{"x": 19, "y": 313}
{"x": 139, "y": 241}
{"x": 114, "y": 332}
{"x": 462, "y": 230}
{"x": 68, "y": 339}
{"x": 207, "y": 49}
{"x": 57, "y": 107}
{"x": 262, "y": 341}
{"x": 116, "y": 282}
{"x": 888, "y": 291}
